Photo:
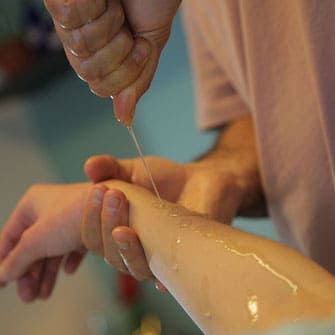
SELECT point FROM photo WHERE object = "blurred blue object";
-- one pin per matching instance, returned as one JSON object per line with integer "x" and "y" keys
{"x": 38, "y": 29}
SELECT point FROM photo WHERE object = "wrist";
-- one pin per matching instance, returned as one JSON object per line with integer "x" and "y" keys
{"x": 235, "y": 155}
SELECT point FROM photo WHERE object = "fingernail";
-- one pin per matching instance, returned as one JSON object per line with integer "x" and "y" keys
{"x": 124, "y": 106}
{"x": 122, "y": 245}
{"x": 114, "y": 203}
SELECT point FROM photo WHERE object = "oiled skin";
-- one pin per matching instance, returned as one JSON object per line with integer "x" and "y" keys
{"x": 214, "y": 270}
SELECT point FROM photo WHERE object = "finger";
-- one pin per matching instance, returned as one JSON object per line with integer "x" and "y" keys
{"x": 126, "y": 100}
{"x": 89, "y": 38}
{"x": 99, "y": 168}
{"x": 73, "y": 261}
{"x": 127, "y": 73}
{"x": 29, "y": 249}
{"x": 21, "y": 218}
{"x": 114, "y": 213}
{"x": 132, "y": 253}
{"x": 49, "y": 276}
{"x": 73, "y": 14}
{"x": 28, "y": 285}
{"x": 96, "y": 67}
{"x": 90, "y": 226}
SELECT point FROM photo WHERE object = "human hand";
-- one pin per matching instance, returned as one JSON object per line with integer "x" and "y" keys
{"x": 208, "y": 187}
{"x": 43, "y": 229}
{"x": 114, "y": 45}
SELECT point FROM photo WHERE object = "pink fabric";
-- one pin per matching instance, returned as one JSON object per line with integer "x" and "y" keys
{"x": 276, "y": 60}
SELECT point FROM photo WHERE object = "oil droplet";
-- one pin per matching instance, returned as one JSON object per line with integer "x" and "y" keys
{"x": 177, "y": 211}
{"x": 175, "y": 251}
{"x": 253, "y": 308}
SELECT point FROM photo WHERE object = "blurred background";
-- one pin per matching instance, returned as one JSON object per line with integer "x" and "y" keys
{"x": 49, "y": 124}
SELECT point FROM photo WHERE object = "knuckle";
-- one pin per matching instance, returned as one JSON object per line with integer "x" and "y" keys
{"x": 78, "y": 43}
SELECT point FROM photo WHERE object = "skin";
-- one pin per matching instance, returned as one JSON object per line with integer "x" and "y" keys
{"x": 229, "y": 181}
{"x": 228, "y": 175}
{"x": 306, "y": 292}
{"x": 44, "y": 211}
{"x": 225, "y": 295}
{"x": 114, "y": 45}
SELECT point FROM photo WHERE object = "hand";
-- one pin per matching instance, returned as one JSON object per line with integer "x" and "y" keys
{"x": 222, "y": 183}
{"x": 43, "y": 229}
{"x": 208, "y": 187}
{"x": 114, "y": 45}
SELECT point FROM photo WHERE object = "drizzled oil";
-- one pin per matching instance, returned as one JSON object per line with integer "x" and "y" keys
{"x": 146, "y": 166}
{"x": 208, "y": 230}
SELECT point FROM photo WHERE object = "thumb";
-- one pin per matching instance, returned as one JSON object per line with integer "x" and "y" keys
{"x": 150, "y": 20}
{"x": 28, "y": 250}
{"x": 103, "y": 167}
{"x": 125, "y": 102}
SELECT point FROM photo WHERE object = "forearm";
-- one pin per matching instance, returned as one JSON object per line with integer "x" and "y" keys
{"x": 224, "y": 278}
{"x": 235, "y": 150}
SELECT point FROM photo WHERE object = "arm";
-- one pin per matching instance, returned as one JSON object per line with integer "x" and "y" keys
{"x": 222, "y": 183}
{"x": 235, "y": 150}
{"x": 224, "y": 278}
